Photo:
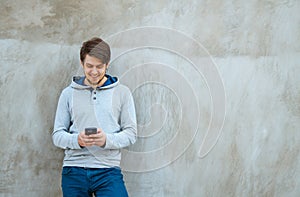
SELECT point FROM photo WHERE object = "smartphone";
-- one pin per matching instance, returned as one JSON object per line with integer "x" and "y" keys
{"x": 90, "y": 130}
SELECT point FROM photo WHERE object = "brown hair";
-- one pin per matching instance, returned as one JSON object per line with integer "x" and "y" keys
{"x": 95, "y": 47}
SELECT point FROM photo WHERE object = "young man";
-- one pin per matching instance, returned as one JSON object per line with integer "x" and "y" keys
{"x": 91, "y": 162}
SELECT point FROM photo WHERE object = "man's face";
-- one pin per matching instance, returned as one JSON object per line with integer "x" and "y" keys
{"x": 94, "y": 69}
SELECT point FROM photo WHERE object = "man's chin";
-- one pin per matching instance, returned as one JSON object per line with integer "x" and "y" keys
{"x": 93, "y": 81}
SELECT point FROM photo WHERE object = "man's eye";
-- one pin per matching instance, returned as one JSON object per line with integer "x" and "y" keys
{"x": 100, "y": 67}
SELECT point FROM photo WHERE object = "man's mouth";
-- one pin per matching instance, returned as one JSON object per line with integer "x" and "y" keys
{"x": 95, "y": 77}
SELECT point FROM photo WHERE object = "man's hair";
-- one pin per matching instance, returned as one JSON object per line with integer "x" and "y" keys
{"x": 95, "y": 47}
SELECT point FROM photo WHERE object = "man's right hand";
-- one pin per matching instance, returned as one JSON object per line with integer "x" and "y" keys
{"x": 83, "y": 140}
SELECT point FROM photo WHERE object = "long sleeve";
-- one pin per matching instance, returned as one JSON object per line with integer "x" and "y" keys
{"x": 128, "y": 133}
{"x": 61, "y": 136}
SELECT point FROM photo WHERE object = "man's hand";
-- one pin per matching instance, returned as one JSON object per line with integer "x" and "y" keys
{"x": 98, "y": 139}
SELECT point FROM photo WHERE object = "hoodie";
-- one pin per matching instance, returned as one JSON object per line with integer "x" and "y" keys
{"x": 109, "y": 107}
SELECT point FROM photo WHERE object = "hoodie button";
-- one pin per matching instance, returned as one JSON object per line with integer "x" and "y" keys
{"x": 94, "y": 98}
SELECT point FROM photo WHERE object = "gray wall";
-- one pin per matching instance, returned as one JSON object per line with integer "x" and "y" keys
{"x": 201, "y": 60}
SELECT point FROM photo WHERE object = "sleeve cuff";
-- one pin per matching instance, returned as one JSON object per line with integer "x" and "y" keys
{"x": 75, "y": 142}
{"x": 109, "y": 141}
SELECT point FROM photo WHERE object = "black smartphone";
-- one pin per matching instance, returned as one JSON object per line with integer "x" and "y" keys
{"x": 90, "y": 130}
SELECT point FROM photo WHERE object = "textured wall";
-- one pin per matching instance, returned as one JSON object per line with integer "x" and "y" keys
{"x": 252, "y": 47}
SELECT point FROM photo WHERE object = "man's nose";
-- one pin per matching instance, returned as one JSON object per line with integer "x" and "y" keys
{"x": 94, "y": 70}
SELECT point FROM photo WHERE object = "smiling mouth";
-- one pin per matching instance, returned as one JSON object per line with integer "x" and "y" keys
{"x": 93, "y": 81}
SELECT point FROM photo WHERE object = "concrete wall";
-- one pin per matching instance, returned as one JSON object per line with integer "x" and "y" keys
{"x": 180, "y": 72}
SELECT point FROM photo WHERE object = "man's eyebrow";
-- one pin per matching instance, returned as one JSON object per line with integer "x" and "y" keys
{"x": 95, "y": 65}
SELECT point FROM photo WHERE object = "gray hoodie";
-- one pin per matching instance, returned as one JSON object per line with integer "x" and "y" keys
{"x": 109, "y": 107}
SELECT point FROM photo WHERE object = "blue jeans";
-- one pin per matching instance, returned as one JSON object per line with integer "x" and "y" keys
{"x": 84, "y": 182}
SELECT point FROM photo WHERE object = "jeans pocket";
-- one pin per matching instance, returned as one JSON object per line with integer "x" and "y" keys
{"x": 66, "y": 170}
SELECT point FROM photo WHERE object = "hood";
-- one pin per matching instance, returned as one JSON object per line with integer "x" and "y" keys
{"x": 77, "y": 83}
